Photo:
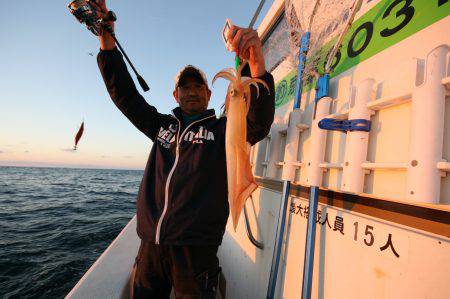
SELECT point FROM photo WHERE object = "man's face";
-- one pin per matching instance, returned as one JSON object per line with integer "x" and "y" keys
{"x": 192, "y": 96}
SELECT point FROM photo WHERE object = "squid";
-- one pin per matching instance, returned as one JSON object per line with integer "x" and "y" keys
{"x": 78, "y": 136}
{"x": 240, "y": 180}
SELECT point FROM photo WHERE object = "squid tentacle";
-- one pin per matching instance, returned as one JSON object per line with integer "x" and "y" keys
{"x": 224, "y": 74}
{"x": 253, "y": 81}
{"x": 247, "y": 96}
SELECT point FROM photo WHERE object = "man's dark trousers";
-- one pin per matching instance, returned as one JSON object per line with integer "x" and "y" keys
{"x": 192, "y": 271}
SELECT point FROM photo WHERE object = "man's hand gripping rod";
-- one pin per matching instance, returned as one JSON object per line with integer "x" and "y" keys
{"x": 98, "y": 19}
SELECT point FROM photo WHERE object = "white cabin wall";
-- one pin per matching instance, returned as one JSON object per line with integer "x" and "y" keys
{"x": 389, "y": 137}
{"x": 349, "y": 268}
{"x": 245, "y": 267}
{"x": 445, "y": 186}
{"x": 389, "y": 146}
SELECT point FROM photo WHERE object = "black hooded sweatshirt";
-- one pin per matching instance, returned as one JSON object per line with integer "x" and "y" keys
{"x": 182, "y": 198}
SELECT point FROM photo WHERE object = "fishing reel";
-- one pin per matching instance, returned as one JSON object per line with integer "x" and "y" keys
{"x": 85, "y": 13}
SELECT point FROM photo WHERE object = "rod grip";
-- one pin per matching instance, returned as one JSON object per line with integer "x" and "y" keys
{"x": 143, "y": 83}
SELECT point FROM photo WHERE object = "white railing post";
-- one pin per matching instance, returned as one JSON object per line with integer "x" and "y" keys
{"x": 291, "y": 149}
{"x": 274, "y": 150}
{"x": 318, "y": 143}
{"x": 427, "y": 130}
{"x": 357, "y": 141}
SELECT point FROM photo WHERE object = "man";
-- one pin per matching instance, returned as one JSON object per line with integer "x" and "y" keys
{"x": 182, "y": 205}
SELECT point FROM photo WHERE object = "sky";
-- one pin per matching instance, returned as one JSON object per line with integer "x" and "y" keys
{"x": 49, "y": 83}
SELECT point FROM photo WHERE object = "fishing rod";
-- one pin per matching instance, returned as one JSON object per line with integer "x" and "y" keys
{"x": 227, "y": 27}
{"x": 237, "y": 61}
{"x": 252, "y": 23}
{"x": 85, "y": 13}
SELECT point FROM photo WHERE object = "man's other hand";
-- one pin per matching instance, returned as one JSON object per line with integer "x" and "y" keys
{"x": 247, "y": 45}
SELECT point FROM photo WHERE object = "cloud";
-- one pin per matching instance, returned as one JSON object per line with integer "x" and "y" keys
{"x": 127, "y": 157}
{"x": 69, "y": 149}
{"x": 26, "y": 151}
{"x": 1, "y": 152}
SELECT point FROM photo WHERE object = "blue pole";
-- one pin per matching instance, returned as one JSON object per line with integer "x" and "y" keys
{"x": 301, "y": 67}
{"x": 308, "y": 265}
{"x": 287, "y": 184}
{"x": 278, "y": 241}
{"x": 322, "y": 88}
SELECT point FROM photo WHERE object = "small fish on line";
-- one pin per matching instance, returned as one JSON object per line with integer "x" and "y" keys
{"x": 78, "y": 136}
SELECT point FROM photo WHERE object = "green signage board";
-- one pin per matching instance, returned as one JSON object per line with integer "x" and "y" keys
{"x": 387, "y": 23}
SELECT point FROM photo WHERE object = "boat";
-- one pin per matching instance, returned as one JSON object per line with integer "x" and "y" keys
{"x": 379, "y": 170}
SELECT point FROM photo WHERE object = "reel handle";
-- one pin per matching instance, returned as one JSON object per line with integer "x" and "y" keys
{"x": 110, "y": 17}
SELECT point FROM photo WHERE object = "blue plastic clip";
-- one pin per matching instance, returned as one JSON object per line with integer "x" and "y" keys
{"x": 359, "y": 125}
{"x": 332, "y": 124}
{"x": 345, "y": 125}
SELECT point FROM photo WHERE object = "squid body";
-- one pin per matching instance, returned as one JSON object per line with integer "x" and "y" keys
{"x": 241, "y": 182}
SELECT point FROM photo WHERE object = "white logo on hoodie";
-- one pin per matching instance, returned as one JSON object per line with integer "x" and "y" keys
{"x": 198, "y": 137}
{"x": 167, "y": 136}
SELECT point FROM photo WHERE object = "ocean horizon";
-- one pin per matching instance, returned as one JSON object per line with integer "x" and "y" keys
{"x": 56, "y": 221}
{"x": 68, "y": 166}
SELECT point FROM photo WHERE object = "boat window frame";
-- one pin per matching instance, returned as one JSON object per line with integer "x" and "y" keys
{"x": 269, "y": 33}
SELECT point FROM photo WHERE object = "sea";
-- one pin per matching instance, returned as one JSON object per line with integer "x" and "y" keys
{"x": 55, "y": 222}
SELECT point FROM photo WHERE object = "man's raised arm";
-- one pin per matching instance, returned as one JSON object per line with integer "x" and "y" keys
{"x": 247, "y": 44}
{"x": 262, "y": 110}
{"x": 121, "y": 87}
